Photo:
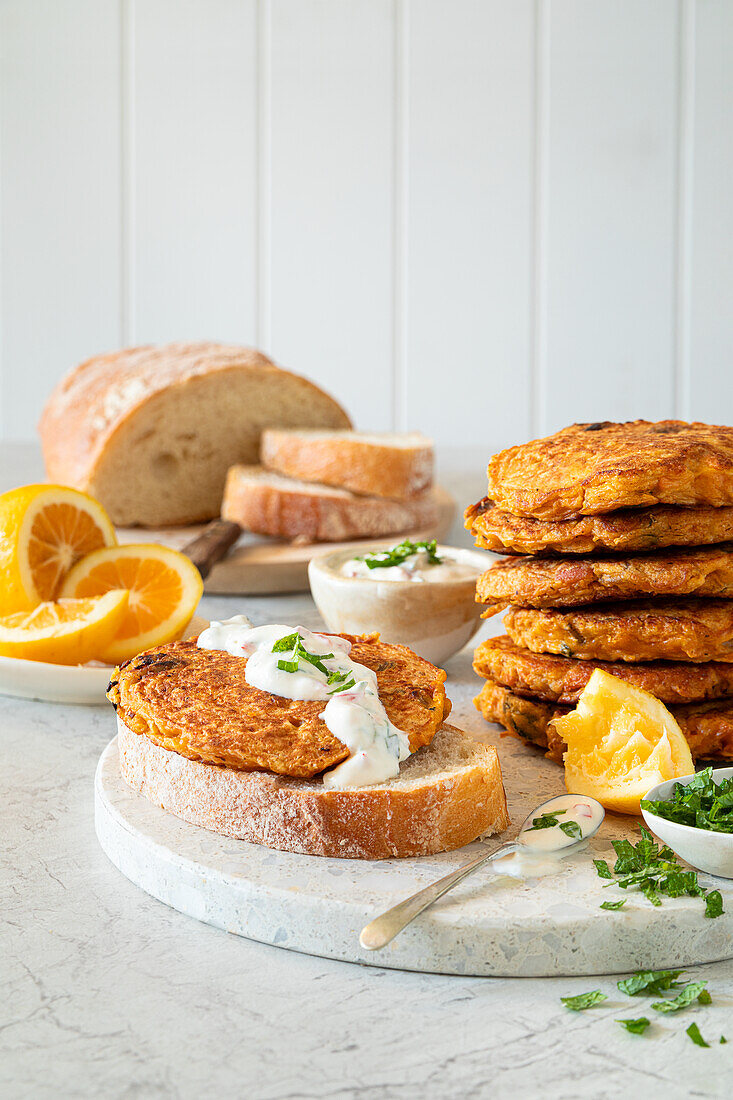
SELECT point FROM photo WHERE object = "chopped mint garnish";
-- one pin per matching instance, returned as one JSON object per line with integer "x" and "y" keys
{"x": 613, "y": 904}
{"x": 694, "y": 1032}
{"x": 584, "y": 1000}
{"x": 572, "y": 829}
{"x": 723, "y": 1039}
{"x": 604, "y": 871}
{"x": 713, "y": 903}
{"x": 705, "y": 998}
{"x": 343, "y": 687}
{"x": 294, "y": 643}
{"x": 288, "y": 666}
{"x": 692, "y": 992}
{"x": 637, "y": 1026}
{"x": 650, "y": 981}
{"x": 546, "y": 821}
{"x": 702, "y": 803}
{"x": 383, "y": 559}
{"x": 284, "y": 645}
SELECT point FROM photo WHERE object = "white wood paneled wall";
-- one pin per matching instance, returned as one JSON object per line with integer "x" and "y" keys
{"x": 481, "y": 218}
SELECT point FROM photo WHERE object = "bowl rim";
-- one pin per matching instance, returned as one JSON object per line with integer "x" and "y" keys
{"x": 691, "y": 830}
{"x": 322, "y": 563}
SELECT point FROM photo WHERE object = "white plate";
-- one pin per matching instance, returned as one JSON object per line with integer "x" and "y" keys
{"x": 85, "y": 685}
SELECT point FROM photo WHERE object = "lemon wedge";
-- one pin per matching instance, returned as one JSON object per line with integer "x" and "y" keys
{"x": 164, "y": 588}
{"x": 621, "y": 742}
{"x": 69, "y": 632}
{"x": 44, "y": 530}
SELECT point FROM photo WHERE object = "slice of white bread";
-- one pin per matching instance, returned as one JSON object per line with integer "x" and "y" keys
{"x": 152, "y": 431}
{"x": 269, "y": 504}
{"x": 382, "y": 465}
{"x": 446, "y": 795}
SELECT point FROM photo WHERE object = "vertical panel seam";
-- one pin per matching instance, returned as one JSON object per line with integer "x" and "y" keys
{"x": 127, "y": 173}
{"x": 681, "y": 366}
{"x": 400, "y": 122}
{"x": 263, "y": 228}
{"x": 538, "y": 295}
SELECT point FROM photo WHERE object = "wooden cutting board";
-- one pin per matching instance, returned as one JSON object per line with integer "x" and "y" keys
{"x": 257, "y": 565}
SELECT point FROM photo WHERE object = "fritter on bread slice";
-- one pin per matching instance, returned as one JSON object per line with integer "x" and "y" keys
{"x": 196, "y": 702}
{"x": 629, "y": 530}
{"x": 708, "y": 727}
{"x": 589, "y": 469}
{"x": 561, "y": 679}
{"x": 640, "y": 630}
{"x": 572, "y": 582}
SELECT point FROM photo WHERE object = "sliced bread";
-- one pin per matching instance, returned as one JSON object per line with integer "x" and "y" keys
{"x": 446, "y": 795}
{"x": 385, "y": 465}
{"x": 269, "y": 504}
{"x": 152, "y": 431}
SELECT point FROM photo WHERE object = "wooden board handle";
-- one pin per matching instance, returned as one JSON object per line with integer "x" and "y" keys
{"x": 212, "y": 544}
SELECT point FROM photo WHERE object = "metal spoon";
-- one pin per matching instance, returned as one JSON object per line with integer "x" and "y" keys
{"x": 379, "y": 932}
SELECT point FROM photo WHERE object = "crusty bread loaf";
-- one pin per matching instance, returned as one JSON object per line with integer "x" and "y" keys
{"x": 269, "y": 504}
{"x": 152, "y": 431}
{"x": 447, "y": 794}
{"x": 384, "y": 465}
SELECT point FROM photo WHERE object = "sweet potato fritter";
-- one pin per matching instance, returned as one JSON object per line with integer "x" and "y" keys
{"x": 708, "y": 727}
{"x": 196, "y": 702}
{"x": 640, "y": 630}
{"x": 562, "y": 679}
{"x": 571, "y": 582}
{"x": 590, "y": 469}
{"x": 627, "y": 531}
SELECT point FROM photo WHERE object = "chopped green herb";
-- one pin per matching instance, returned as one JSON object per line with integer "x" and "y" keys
{"x": 713, "y": 903}
{"x": 723, "y": 1039}
{"x": 604, "y": 871}
{"x": 613, "y": 904}
{"x": 546, "y": 821}
{"x": 702, "y": 803}
{"x": 284, "y": 645}
{"x": 288, "y": 666}
{"x": 684, "y": 998}
{"x": 383, "y": 559}
{"x": 637, "y": 1026}
{"x": 572, "y": 829}
{"x": 705, "y": 998}
{"x": 343, "y": 687}
{"x": 584, "y": 1000}
{"x": 694, "y": 1032}
{"x": 650, "y": 982}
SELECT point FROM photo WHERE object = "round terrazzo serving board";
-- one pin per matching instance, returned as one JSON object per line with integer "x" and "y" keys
{"x": 486, "y": 926}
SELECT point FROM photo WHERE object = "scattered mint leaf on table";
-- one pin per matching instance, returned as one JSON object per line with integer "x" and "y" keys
{"x": 652, "y": 982}
{"x": 723, "y": 1039}
{"x": 604, "y": 871}
{"x": 694, "y": 1032}
{"x": 705, "y": 998}
{"x": 584, "y": 1000}
{"x": 613, "y": 904}
{"x": 637, "y": 1026}
{"x": 692, "y": 992}
{"x": 713, "y": 904}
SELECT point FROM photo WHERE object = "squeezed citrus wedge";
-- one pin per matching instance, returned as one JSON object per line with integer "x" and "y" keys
{"x": 164, "y": 588}
{"x": 44, "y": 530}
{"x": 68, "y": 632}
{"x": 621, "y": 742}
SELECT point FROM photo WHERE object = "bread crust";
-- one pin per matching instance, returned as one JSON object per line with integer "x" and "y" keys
{"x": 589, "y": 469}
{"x": 629, "y": 530}
{"x": 311, "y": 515}
{"x": 197, "y": 702}
{"x": 558, "y": 679}
{"x": 563, "y": 582}
{"x": 640, "y": 630}
{"x": 708, "y": 727}
{"x": 367, "y": 467}
{"x": 442, "y": 813}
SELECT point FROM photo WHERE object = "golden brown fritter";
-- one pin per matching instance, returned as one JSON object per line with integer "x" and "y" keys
{"x": 590, "y": 469}
{"x": 627, "y": 531}
{"x": 196, "y": 702}
{"x": 572, "y": 582}
{"x": 708, "y": 727}
{"x": 562, "y": 679}
{"x": 640, "y": 630}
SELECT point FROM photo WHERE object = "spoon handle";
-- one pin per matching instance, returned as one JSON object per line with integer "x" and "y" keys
{"x": 379, "y": 932}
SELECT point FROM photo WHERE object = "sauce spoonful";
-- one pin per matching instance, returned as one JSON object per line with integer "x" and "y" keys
{"x": 553, "y": 830}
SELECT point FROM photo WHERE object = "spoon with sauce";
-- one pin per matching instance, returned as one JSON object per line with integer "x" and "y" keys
{"x": 553, "y": 830}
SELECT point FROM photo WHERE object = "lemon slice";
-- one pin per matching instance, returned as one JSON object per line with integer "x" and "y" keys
{"x": 44, "y": 530}
{"x": 621, "y": 742}
{"x": 164, "y": 588}
{"x": 69, "y": 632}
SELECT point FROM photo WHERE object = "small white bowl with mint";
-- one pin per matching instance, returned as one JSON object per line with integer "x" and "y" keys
{"x": 694, "y": 817}
{"x": 417, "y": 594}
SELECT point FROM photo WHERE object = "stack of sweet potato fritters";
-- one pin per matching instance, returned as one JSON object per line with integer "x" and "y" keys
{"x": 620, "y": 559}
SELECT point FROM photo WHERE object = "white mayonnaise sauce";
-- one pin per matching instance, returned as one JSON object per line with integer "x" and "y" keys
{"x": 354, "y": 714}
{"x": 416, "y": 567}
{"x": 541, "y": 849}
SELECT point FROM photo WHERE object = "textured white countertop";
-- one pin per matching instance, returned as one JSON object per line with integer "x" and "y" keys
{"x": 108, "y": 993}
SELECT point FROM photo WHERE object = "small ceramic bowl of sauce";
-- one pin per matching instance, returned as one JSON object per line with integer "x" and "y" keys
{"x": 704, "y": 849}
{"x": 416, "y": 594}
